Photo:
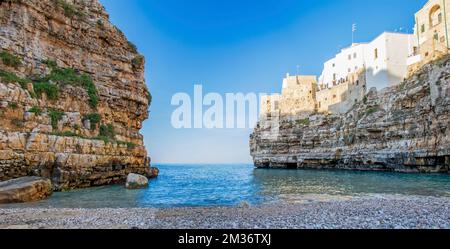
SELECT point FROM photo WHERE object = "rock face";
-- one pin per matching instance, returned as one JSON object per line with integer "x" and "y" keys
{"x": 25, "y": 189}
{"x": 72, "y": 95}
{"x": 135, "y": 181}
{"x": 404, "y": 129}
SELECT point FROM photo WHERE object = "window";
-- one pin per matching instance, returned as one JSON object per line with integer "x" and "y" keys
{"x": 349, "y": 70}
{"x": 435, "y": 16}
{"x": 436, "y": 36}
{"x": 422, "y": 28}
{"x": 354, "y": 55}
{"x": 334, "y": 65}
{"x": 276, "y": 105}
{"x": 349, "y": 57}
{"x": 334, "y": 76}
{"x": 334, "y": 96}
{"x": 376, "y": 53}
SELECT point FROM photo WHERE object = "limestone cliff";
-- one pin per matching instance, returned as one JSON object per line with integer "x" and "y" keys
{"x": 72, "y": 95}
{"x": 404, "y": 128}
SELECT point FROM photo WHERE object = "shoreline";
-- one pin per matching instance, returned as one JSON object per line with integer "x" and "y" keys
{"x": 372, "y": 212}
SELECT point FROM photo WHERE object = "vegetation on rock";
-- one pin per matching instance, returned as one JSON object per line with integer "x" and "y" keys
{"x": 304, "y": 121}
{"x": 137, "y": 61}
{"x": 10, "y": 60}
{"x": 128, "y": 144}
{"x": 107, "y": 132}
{"x": 50, "y": 63}
{"x": 132, "y": 47}
{"x": 94, "y": 119}
{"x": 70, "y": 10}
{"x": 50, "y": 90}
{"x": 65, "y": 76}
{"x": 55, "y": 116}
{"x": 372, "y": 110}
{"x": 13, "y": 105}
{"x": 17, "y": 122}
{"x": 10, "y": 77}
{"x": 36, "y": 110}
{"x": 149, "y": 97}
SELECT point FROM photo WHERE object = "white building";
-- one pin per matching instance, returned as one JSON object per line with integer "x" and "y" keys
{"x": 384, "y": 60}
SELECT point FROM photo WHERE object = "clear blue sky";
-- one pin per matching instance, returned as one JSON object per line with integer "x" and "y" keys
{"x": 238, "y": 46}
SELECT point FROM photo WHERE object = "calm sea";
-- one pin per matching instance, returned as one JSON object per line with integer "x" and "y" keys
{"x": 212, "y": 185}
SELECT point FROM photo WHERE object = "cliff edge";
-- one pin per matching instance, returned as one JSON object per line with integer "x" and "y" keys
{"x": 405, "y": 128}
{"x": 72, "y": 95}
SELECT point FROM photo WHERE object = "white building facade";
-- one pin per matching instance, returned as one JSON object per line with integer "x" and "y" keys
{"x": 384, "y": 61}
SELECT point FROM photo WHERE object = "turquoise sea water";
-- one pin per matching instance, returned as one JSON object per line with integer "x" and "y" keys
{"x": 212, "y": 185}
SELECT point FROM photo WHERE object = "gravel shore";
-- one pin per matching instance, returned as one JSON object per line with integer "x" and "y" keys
{"x": 393, "y": 212}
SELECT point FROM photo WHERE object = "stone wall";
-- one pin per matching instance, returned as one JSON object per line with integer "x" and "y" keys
{"x": 298, "y": 95}
{"x": 432, "y": 31}
{"x": 72, "y": 95}
{"x": 269, "y": 105}
{"x": 341, "y": 97}
{"x": 403, "y": 129}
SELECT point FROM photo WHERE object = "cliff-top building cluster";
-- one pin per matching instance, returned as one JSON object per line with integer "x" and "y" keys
{"x": 384, "y": 62}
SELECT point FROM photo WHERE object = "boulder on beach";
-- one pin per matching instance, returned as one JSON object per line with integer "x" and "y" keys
{"x": 135, "y": 181}
{"x": 25, "y": 189}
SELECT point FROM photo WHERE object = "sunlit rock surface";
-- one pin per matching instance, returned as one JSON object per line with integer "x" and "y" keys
{"x": 85, "y": 136}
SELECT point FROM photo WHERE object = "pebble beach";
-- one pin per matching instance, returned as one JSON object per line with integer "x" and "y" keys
{"x": 315, "y": 212}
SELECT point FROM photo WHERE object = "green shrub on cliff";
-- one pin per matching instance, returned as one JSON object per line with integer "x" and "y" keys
{"x": 372, "y": 110}
{"x": 50, "y": 63}
{"x": 55, "y": 116}
{"x": 36, "y": 110}
{"x": 94, "y": 119}
{"x": 10, "y": 77}
{"x": 132, "y": 47}
{"x": 70, "y": 77}
{"x": 137, "y": 61}
{"x": 107, "y": 131}
{"x": 305, "y": 121}
{"x": 149, "y": 97}
{"x": 89, "y": 85}
{"x": 51, "y": 90}
{"x": 70, "y": 10}
{"x": 129, "y": 145}
{"x": 100, "y": 24}
{"x": 10, "y": 60}
{"x": 13, "y": 105}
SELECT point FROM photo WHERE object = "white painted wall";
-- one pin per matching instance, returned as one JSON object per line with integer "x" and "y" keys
{"x": 349, "y": 60}
{"x": 389, "y": 68}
